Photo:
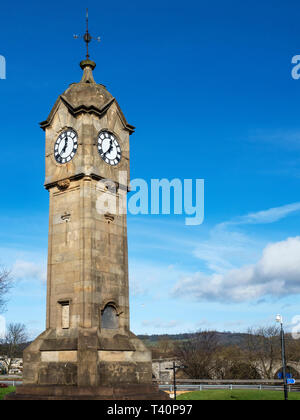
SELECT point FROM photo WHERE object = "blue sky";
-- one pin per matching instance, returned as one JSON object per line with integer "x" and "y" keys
{"x": 208, "y": 85}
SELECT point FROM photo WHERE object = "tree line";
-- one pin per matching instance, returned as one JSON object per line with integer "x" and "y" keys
{"x": 256, "y": 357}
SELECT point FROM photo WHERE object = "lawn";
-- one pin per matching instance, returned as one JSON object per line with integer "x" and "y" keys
{"x": 238, "y": 395}
{"x": 4, "y": 391}
{"x": 221, "y": 395}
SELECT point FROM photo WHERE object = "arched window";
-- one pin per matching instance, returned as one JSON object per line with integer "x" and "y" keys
{"x": 109, "y": 319}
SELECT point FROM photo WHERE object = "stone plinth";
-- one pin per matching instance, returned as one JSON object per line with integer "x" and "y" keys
{"x": 121, "y": 392}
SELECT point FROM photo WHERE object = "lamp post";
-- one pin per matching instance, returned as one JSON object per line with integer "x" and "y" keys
{"x": 174, "y": 367}
{"x": 279, "y": 319}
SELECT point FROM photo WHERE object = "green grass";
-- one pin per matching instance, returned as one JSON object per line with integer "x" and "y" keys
{"x": 4, "y": 391}
{"x": 238, "y": 395}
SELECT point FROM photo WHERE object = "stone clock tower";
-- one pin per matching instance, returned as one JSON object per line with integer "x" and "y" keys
{"x": 87, "y": 350}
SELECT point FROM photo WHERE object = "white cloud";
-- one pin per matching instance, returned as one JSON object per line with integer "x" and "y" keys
{"x": 29, "y": 270}
{"x": 276, "y": 274}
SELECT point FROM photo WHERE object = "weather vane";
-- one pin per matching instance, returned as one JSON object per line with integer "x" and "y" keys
{"x": 87, "y": 36}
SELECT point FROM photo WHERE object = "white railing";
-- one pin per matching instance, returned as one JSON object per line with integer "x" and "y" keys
{"x": 202, "y": 387}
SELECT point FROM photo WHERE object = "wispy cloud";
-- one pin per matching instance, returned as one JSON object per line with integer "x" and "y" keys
{"x": 148, "y": 279}
{"x": 23, "y": 270}
{"x": 228, "y": 248}
{"x": 265, "y": 216}
{"x": 288, "y": 139}
{"x": 225, "y": 249}
{"x": 160, "y": 324}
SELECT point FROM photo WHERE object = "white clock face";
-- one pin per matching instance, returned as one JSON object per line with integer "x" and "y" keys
{"x": 66, "y": 146}
{"x": 109, "y": 148}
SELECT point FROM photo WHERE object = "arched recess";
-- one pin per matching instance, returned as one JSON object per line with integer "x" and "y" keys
{"x": 110, "y": 317}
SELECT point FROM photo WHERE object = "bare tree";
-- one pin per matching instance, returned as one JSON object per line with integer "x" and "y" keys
{"x": 164, "y": 348}
{"x": 198, "y": 354}
{"x": 232, "y": 362}
{"x": 263, "y": 347}
{"x": 5, "y": 285}
{"x": 292, "y": 349}
{"x": 10, "y": 348}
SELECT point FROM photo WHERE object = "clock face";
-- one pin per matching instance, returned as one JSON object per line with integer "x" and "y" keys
{"x": 66, "y": 146}
{"x": 109, "y": 148}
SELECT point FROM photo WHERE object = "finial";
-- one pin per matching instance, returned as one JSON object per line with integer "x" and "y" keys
{"x": 87, "y": 37}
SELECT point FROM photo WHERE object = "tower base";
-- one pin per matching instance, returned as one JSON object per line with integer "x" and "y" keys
{"x": 72, "y": 393}
{"x": 86, "y": 358}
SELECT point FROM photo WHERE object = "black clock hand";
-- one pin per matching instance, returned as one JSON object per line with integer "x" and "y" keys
{"x": 110, "y": 148}
{"x": 65, "y": 146}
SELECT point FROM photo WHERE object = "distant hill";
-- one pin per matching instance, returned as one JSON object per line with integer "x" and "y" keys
{"x": 225, "y": 338}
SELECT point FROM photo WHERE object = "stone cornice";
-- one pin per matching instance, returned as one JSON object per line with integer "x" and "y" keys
{"x": 75, "y": 111}
{"x": 77, "y": 177}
